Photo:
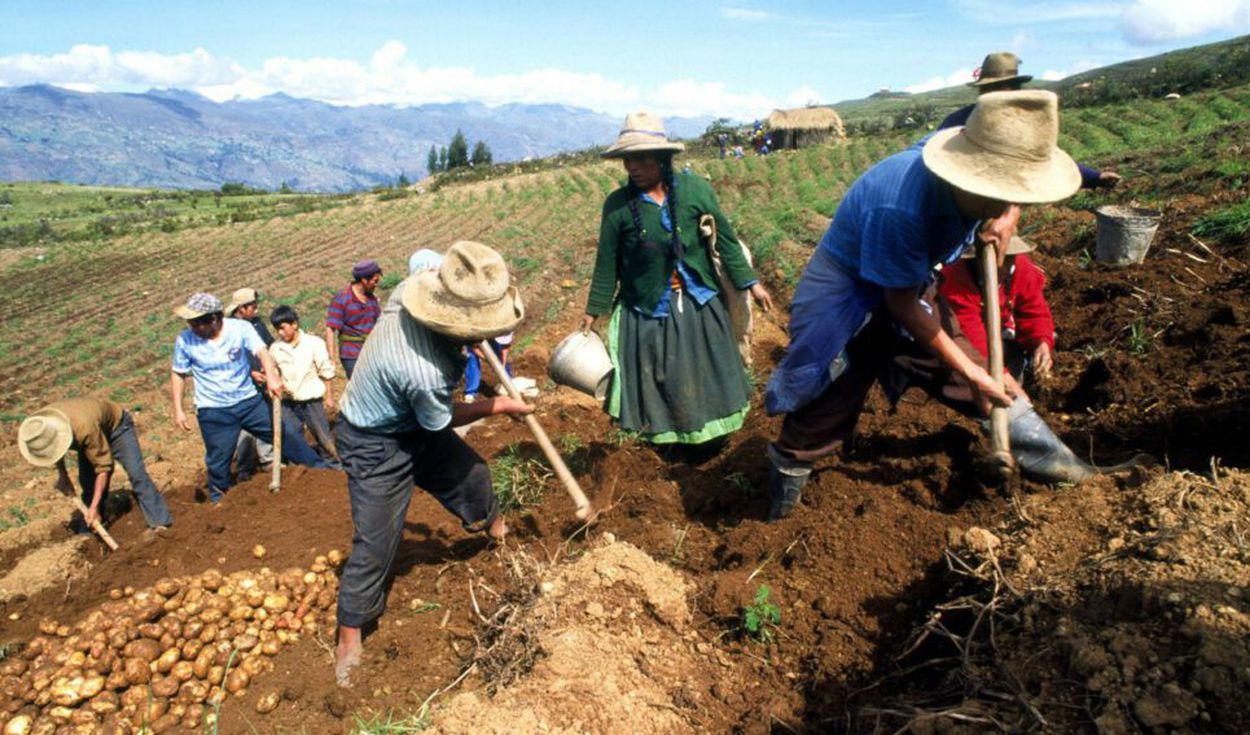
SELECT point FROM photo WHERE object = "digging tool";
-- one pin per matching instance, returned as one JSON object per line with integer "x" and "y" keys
{"x": 584, "y": 509}
{"x": 275, "y": 480}
{"x": 999, "y": 442}
{"x": 97, "y": 526}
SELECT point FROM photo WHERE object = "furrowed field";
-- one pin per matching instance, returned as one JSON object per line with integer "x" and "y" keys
{"x": 1118, "y": 606}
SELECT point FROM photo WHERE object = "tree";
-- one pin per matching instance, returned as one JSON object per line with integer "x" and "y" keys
{"x": 402, "y": 182}
{"x": 457, "y": 151}
{"x": 285, "y": 188}
{"x": 442, "y": 159}
{"x": 481, "y": 154}
{"x": 431, "y": 161}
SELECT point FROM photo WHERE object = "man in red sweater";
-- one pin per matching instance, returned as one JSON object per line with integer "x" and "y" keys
{"x": 1028, "y": 328}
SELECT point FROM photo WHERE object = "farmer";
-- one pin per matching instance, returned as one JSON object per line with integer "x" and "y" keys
{"x": 420, "y": 261}
{"x": 396, "y": 418}
{"x": 244, "y": 304}
{"x": 352, "y": 314}
{"x": 103, "y": 433}
{"x": 306, "y": 369}
{"x": 679, "y": 379}
{"x": 215, "y": 352}
{"x": 250, "y": 453}
{"x": 1000, "y": 72}
{"x": 859, "y": 313}
{"x": 1028, "y": 328}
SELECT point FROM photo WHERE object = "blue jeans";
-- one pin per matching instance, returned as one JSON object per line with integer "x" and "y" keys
{"x": 473, "y": 370}
{"x": 220, "y": 428}
{"x": 382, "y": 470}
{"x": 311, "y": 414}
{"x": 124, "y": 444}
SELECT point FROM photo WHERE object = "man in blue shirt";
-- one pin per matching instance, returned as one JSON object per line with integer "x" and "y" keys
{"x": 859, "y": 314}
{"x": 395, "y": 424}
{"x": 216, "y": 353}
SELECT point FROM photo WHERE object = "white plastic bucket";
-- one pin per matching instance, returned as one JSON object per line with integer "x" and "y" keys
{"x": 581, "y": 362}
{"x": 1124, "y": 234}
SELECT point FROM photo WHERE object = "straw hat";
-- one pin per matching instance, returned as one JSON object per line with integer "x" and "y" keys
{"x": 198, "y": 305}
{"x": 1007, "y": 151}
{"x": 998, "y": 68}
{"x": 469, "y": 297}
{"x": 642, "y": 133}
{"x": 44, "y": 437}
{"x": 241, "y": 297}
{"x": 1017, "y": 246}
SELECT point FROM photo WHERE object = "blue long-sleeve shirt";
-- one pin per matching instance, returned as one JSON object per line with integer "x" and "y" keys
{"x": 1089, "y": 176}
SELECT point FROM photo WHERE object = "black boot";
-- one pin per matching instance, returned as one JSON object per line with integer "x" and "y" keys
{"x": 1042, "y": 455}
{"x": 786, "y": 478}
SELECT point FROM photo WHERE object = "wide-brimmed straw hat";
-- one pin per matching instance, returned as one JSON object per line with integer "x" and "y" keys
{"x": 1007, "y": 151}
{"x": 241, "y": 297}
{"x": 198, "y": 305}
{"x": 44, "y": 437}
{"x": 469, "y": 297}
{"x": 998, "y": 68}
{"x": 1017, "y": 246}
{"x": 642, "y": 133}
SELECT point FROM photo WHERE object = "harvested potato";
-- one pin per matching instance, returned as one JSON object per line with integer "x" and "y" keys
{"x": 268, "y": 703}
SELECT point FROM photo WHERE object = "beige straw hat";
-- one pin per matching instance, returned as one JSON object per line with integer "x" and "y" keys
{"x": 44, "y": 437}
{"x": 641, "y": 133}
{"x": 1007, "y": 151}
{"x": 1017, "y": 246}
{"x": 239, "y": 298}
{"x": 998, "y": 68}
{"x": 469, "y": 297}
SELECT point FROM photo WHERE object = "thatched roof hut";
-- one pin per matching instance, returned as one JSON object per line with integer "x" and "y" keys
{"x": 804, "y": 126}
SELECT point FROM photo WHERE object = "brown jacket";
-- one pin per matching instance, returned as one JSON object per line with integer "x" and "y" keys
{"x": 92, "y": 421}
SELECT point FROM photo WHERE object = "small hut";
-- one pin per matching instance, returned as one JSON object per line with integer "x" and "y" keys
{"x": 804, "y": 126}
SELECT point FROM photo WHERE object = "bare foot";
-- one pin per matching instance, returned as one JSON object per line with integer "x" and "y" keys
{"x": 498, "y": 528}
{"x": 347, "y": 655}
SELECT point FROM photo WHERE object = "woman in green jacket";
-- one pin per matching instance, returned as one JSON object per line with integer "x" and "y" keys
{"x": 679, "y": 378}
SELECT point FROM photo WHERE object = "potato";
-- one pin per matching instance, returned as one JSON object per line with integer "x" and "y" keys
{"x": 335, "y": 557}
{"x": 165, "y": 686}
{"x": 155, "y": 709}
{"x": 167, "y": 660}
{"x": 13, "y": 666}
{"x": 193, "y": 691}
{"x": 271, "y": 647}
{"x": 66, "y": 692}
{"x": 268, "y": 703}
{"x": 183, "y": 671}
{"x": 203, "y": 663}
{"x": 276, "y": 604}
{"x": 254, "y": 597}
{"x": 216, "y": 695}
{"x": 210, "y": 579}
{"x": 60, "y": 713}
{"x": 20, "y": 725}
{"x": 104, "y": 703}
{"x": 237, "y": 680}
{"x": 209, "y": 634}
{"x": 216, "y": 674}
{"x": 194, "y": 715}
{"x": 84, "y": 717}
{"x": 47, "y": 626}
{"x": 167, "y": 722}
{"x": 167, "y": 587}
{"x": 136, "y": 671}
{"x": 310, "y": 578}
{"x": 144, "y": 648}
{"x": 211, "y": 615}
{"x": 242, "y": 612}
{"x": 117, "y": 680}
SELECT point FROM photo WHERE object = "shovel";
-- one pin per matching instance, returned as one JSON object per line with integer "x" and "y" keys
{"x": 999, "y": 443}
{"x": 97, "y": 526}
{"x": 275, "y": 480}
{"x": 584, "y": 508}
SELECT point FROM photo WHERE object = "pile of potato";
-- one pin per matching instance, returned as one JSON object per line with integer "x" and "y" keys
{"x": 163, "y": 658}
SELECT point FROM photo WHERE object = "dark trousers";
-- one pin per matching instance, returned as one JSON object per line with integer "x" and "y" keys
{"x": 220, "y": 428}
{"x": 311, "y": 414}
{"x": 349, "y": 364}
{"x": 879, "y": 353}
{"x": 124, "y": 444}
{"x": 382, "y": 470}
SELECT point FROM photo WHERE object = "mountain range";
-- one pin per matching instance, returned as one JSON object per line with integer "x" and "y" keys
{"x": 179, "y": 139}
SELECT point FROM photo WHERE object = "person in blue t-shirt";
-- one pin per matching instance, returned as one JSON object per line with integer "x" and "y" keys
{"x": 860, "y": 313}
{"x": 216, "y": 353}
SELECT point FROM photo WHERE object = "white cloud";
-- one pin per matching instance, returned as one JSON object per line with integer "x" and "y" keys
{"x": 1018, "y": 12}
{"x": 804, "y": 97}
{"x": 1054, "y": 75}
{"x": 744, "y": 14}
{"x": 389, "y": 76}
{"x": 959, "y": 76}
{"x": 1155, "y": 21}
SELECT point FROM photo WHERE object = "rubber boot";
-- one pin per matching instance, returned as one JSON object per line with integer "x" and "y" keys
{"x": 786, "y": 478}
{"x": 1039, "y": 452}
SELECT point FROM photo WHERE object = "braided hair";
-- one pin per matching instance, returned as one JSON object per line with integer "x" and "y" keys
{"x": 670, "y": 201}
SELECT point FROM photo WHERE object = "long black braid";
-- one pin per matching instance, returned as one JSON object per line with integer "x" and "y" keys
{"x": 666, "y": 173}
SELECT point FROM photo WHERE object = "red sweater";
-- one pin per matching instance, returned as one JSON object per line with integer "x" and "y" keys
{"x": 1024, "y": 309}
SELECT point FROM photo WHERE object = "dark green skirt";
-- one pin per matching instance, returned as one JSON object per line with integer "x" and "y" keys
{"x": 678, "y": 379}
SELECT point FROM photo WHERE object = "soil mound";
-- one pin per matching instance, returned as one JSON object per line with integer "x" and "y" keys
{"x": 610, "y": 648}
{"x": 59, "y": 564}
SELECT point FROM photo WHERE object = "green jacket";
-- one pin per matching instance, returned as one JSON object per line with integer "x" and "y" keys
{"x": 642, "y": 263}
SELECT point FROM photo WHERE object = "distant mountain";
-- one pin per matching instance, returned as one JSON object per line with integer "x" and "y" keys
{"x": 179, "y": 139}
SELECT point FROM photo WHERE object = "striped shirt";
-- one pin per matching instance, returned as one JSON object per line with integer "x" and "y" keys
{"x": 353, "y": 320}
{"x": 404, "y": 379}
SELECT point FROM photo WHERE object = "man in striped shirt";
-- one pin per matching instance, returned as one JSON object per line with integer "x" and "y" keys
{"x": 395, "y": 424}
{"x": 353, "y": 313}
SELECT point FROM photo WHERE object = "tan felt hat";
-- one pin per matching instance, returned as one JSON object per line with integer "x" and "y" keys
{"x": 1017, "y": 246}
{"x": 998, "y": 68}
{"x": 1007, "y": 151}
{"x": 641, "y": 133}
{"x": 44, "y": 437}
{"x": 239, "y": 298}
{"x": 469, "y": 297}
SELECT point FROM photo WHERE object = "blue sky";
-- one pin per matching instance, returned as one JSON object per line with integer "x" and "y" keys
{"x": 698, "y": 57}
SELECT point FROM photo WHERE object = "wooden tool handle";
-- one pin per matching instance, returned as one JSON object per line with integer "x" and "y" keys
{"x": 275, "y": 479}
{"x": 584, "y": 508}
{"x": 97, "y": 526}
{"x": 994, "y": 338}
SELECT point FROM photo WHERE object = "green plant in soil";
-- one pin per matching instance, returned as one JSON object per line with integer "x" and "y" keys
{"x": 760, "y": 620}
{"x": 518, "y": 481}
{"x": 391, "y": 723}
{"x": 17, "y": 515}
{"x": 1140, "y": 340}
{"x": 1226, "y": 223}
